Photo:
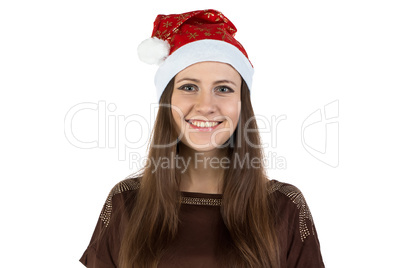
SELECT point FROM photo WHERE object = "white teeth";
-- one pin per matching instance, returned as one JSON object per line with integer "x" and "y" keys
{"x": 204, "y": 124}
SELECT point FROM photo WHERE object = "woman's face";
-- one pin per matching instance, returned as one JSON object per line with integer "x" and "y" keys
{"x": 206, "y": 104}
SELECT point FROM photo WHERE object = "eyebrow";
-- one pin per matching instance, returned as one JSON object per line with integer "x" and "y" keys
{"x": 215, "y": 83}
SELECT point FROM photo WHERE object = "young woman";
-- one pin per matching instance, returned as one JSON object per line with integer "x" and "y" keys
{"x": 204, "y": 199}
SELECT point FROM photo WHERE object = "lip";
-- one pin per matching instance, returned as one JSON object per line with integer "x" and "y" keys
{"x": 207, "y": 124}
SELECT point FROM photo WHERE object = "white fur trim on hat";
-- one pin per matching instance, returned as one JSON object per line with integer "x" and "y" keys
{"x": 200, "y": 51}
{"x": 153, "y": 50}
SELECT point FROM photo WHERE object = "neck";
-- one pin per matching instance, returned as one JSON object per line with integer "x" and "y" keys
{"x": 203, "y": 172}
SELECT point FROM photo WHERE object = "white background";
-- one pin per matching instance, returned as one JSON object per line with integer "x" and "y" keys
{"x": 307, "y": 54}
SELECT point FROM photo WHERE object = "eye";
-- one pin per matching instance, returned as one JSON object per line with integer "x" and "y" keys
{"x": 224, "y": 89}
{"x": 189, "y": 88}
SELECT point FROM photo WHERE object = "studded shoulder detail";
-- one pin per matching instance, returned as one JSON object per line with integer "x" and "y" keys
{"x": 128, "y": 184}
{"x": 296, "y": 196}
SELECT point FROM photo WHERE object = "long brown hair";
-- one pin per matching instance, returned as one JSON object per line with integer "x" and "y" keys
{"x": 247, "y": 209}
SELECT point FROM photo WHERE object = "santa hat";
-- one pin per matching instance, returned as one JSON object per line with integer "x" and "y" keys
{"x": 180, "y": 40}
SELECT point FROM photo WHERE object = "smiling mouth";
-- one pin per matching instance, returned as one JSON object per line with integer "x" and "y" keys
{"x": 203, "y": 124}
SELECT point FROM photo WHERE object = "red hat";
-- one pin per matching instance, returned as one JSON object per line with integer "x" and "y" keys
{"x": 180, "y": 40}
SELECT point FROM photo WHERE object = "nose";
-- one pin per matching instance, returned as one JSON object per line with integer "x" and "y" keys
{"x": 205, "y": 103}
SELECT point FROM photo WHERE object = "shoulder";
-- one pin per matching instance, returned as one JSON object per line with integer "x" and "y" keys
{"x": 296, "y": 230}
{"x": 292, "y": 207}
{"x": 130, "y": 183}
{"x": 103, "y": 249}
{"x": 119, "y": 196}
{"x": 287, "y": 192}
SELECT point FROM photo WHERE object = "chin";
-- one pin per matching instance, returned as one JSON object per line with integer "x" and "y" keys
{"x": 202, "y": 146}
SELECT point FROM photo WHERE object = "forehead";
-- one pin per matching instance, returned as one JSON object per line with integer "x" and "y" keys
{"x": 209, "y": 70}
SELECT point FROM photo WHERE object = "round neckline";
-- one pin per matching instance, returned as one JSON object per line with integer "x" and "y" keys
{"x": 200, "y": 195}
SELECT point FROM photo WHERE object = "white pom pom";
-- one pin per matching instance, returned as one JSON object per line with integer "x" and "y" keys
{"x": 153, "y": 50}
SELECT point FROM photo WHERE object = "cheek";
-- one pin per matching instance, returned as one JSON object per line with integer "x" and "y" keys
{"x": 178, "y": 112}
{"x": 232, "y": 111}
{"x": 177, "y": 117}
